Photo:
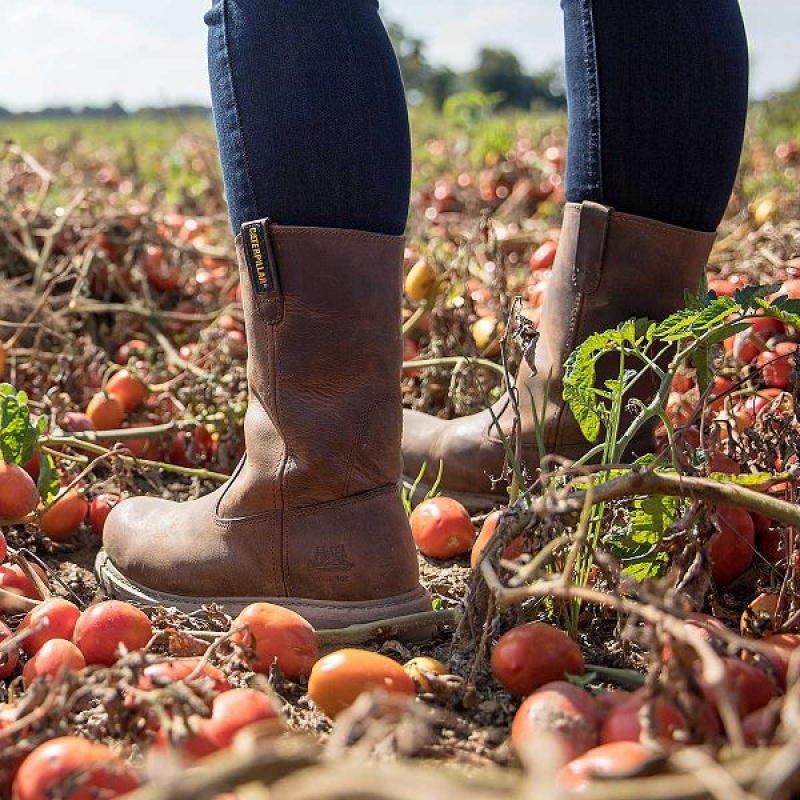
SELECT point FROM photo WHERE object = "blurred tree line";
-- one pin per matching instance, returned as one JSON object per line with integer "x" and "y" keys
{"x": 498, "y": 72}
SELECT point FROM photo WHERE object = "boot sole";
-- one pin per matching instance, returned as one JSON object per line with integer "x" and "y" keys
{"x": 474, "y": 502}
{"x": 322, "y": 614}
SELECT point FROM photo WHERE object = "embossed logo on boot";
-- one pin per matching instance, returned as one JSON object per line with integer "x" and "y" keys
{"x": 333, "y": 559}
{"x": 257, "y": 248}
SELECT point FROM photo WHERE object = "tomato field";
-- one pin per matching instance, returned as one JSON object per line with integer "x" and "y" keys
{"x": 617, "y": 630}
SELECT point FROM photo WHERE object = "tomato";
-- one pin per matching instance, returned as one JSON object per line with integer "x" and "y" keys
{"x": 102, "y": 628}
{"x": 178, "y": 669}
{"x": 127, "y": 388}
{"x": 64, "y": 517}
{"x": 752, "y": 341}
{"x": 144, "y": 447}
{"x": 722, "y": 287}
{"x": 776, "y": 365}
{"x": 234, "y": 710}
{"x": 707, "y": 627}
{"x": 191, "y": 449}
{"x": 544, "y": 255}
{"x": 749, "y": 686}
{"x": 781, "y": 645}
{"x": 74, "y": 422}
{"x": 410, "y": 352}
{"x": 759, "y": 727}
{"x": 340, "y": 677}
{"x": 561, "y": 711}
{"x": 13, "y": 579}
{"x": 134, "y": 348}
{"x": 614, "y": 760}
{"x": 421, "y": 668}
{"x": 420, "y": 280}
{"x": 719, "y": 462}
{"x": 279, "y": 635}
{"x": 55, "y": 655}
{"x": 485, "y": 333}
{"x": 533, "y": 654}
{"x": 513, "y": 549}
{"x": 90, "y": 770}
{"x": 719, "y": 391}
{"x": 606, "y": 702}
{"x": 191, "y": 738}
{"x": 733, "y": 547}
{"x": 33, "y": 466}
{"x": 18, "y": 493}
{"x": 441, "y": 528}
{"x": 624, "y": 723}
{"x": 99, "y": 509}
{"x": 60, "y": 617}
{"x": 3, "y": 547}
{"x": 160, "y": 275}
{"x": 8, "y": 661}
{"x": 105, "y": 412}
{"x": 774, "y": 545}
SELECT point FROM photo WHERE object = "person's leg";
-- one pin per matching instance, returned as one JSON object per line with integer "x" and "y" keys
{"x": 313, "y": 135}
{"x": 657, "y": 95}
{"x": 310, "y": 113}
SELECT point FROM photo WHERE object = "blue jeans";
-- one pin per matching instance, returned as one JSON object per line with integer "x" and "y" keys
{"x": 313, "y": 130}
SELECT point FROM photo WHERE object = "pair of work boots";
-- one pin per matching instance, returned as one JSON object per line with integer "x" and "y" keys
{"x": 312, "y": 517}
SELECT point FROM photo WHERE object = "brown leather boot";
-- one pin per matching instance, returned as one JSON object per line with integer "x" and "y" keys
{"x": 610, "y": 267}
{"x": 312, "y": 517}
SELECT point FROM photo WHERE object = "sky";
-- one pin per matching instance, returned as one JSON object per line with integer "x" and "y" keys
{"x": 152, "y": 52}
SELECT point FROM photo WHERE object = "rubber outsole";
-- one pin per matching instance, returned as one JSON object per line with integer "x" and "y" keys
{"x": 321, "y": 614}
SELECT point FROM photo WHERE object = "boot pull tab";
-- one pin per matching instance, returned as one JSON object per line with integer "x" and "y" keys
{"x": 592, "y": 231}
{"x": 263, "y": 268}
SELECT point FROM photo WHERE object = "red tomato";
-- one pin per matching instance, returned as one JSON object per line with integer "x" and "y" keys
{"x": 135, "y": 348}
{"x": 624, "y": 723}
{"x": 733, "y": 547}
{"x": 32, "y": 467}
{"x": 13, "y": 579}
{"x": 105, "y": 411}
{"x": 128, "y": 389}
{"x": 60, "y": 616}
{"x": 719, "y": 390}
{"x": 561, "y": 711}
{"x": 9, "y": 661}
{"x": 160, "y": 275}
{"x": 279, "y": 635}
{"x": 178, "y": 669}
{"x": 64, "y": 517}
{"x": 774, "y": 545}
{"x": 753, "y": 340}
{"x": 340, "y": 677}
{"x": 722, "y": 287}
{"x": 191, "y": 449}
{"x": 102, "y": 628}
{"x": 533, "y": 654}
{"x": 441, "y": 528}
{"x": 18, "y": 493}
{"x": 614, "y": 760}
{"x": 750, "y": 687}
{"x": 54, "y": 656}
{"x": 192, "y": 742}
{"x": 235, "y": 710}
{"x": 776, "y": 365}
{"x": 782, "y": 645}
{"x": 91, "y": 770}
{"x": 99, "y": 509}
{"x": 513, "y": 549}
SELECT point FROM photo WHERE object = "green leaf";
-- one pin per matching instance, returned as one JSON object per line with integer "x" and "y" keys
{"x": 649, "y": 519}
{"x": 700, "y": 362}
{"x": 49, "y": 484}
{"x": 747, "y": 295}
{"x": 18, "y": 433}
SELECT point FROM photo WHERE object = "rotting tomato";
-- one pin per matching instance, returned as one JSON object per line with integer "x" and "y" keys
{"x": 102, "y": 628}
{"x": 18, "y": 493}
{"x": 733, "y": 547}
{"x": 54, "y": 656}
{"x": 89, "y": 769}
{"x": 58, "y": 616}
{"x": 128, "y": 389}
{"x": 561, "y": 711}
{"x": 64, "y": 517}
{"x": 340, "y": 677}
{"x": 441, "y": 528}
{"x": 75, "y": 422}
{"x": 533, "y": 654}
{"x": 279, "y": 635}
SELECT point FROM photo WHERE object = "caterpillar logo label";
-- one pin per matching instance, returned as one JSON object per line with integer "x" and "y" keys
{"x": 258, "y": 253}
